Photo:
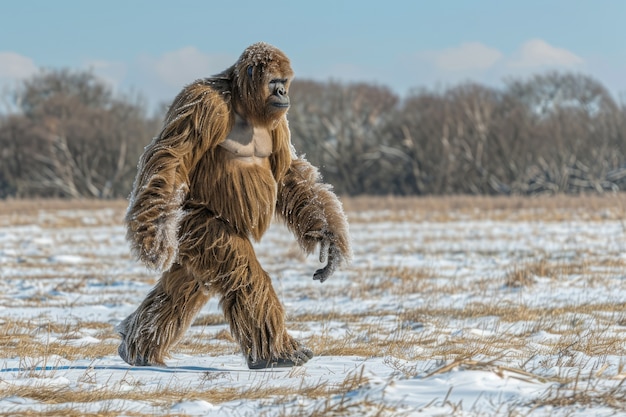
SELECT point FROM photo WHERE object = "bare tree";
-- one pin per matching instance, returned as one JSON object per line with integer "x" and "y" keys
{"x": 79, "y": 140}
{"x": 577, "y": 134}
{"x": 550, "y": 133}
{"x": 337, "y": 126}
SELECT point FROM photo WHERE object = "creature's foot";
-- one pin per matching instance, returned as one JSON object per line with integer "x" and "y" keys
{"x": 297, "y": 358}
{"x": 122, "y": 350}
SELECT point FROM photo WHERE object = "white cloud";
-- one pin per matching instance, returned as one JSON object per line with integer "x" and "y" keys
{"x": 475, "y": 61}
{"x": 538, "y": 53}
{"x": 468, "y": 56}
{"x": 475, "y": 57}
{"x": 160, "y": 78}
{"x": 156, "y": 78}
{"x": 16, "y": 66}
{"x": 180, "y": 67}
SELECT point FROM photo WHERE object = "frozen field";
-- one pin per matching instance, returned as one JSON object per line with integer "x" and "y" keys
{"x": 468, "y": 307}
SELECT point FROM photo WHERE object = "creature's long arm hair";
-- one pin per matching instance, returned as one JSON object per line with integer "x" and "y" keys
{"x": 196, "y": 122}
{"x": 314, "y": 214}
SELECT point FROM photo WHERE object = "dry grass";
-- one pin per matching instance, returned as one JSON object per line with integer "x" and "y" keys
{"x": 434, "y": 208}
{"x": 30, "y": 207}
{"x": 170, "y": 394}
{"x": 446, "y": 208}
{"x": 584, "y": 393}
{"x": 496, "y": 329}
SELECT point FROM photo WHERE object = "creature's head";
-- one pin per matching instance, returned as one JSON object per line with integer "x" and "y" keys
{"x": 262, "y": 75}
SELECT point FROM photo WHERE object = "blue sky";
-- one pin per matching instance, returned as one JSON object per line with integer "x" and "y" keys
{"x": 156, "y": 47}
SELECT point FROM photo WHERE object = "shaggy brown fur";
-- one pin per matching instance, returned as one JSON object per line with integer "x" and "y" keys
{"x": 213, "y": 178}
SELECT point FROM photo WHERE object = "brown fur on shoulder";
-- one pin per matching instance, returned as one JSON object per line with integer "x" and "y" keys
{"x": 197, "y": 121}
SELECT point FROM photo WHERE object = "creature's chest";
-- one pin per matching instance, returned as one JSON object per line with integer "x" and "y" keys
{"x": 247, "y": 143}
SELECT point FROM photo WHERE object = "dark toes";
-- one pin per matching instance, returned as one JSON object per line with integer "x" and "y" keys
{"x": 122, "y": 350}
{"x": 302, "y": 355}
{"x": 297, "y": 358}
{"x": 306, "y": 352}
{"x": 272, "y": 363}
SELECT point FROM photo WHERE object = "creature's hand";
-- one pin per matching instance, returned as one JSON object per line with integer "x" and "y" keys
{"x": 329, "y": 254}
{"x": 153, "y": 228}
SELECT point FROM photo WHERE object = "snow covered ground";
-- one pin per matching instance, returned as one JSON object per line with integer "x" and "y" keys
{"x": 490, "y": 313}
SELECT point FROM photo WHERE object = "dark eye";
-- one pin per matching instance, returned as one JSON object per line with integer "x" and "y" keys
{"x": 250, "y": 71}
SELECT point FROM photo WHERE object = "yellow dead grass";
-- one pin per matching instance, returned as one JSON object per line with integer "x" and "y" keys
{"x": 417, "y": 334}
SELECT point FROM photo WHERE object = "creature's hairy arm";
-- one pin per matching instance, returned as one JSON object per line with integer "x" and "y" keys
{"x": 315, "y": 215}
{"x": 196, "y": 122}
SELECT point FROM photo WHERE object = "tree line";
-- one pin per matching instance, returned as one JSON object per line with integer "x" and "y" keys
{"x": 71, "y": 136}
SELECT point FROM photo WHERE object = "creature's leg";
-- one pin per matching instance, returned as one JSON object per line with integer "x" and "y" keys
{"x": 256, "y": 317}
{"x": 161, "y": 319}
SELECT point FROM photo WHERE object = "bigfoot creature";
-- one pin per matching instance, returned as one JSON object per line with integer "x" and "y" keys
{"x": 208, "y": 183}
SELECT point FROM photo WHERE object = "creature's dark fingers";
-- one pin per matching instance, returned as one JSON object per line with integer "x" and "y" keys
{"x": 324, "y": 245}
{"x": 322, "y": 274}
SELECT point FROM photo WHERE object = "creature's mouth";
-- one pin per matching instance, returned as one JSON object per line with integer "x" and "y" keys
{"x": 280, "y": 105}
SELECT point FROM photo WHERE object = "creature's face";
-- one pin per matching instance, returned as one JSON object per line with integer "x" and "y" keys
{"x": 278, "y": 97}
{"x": 264, "y": 75}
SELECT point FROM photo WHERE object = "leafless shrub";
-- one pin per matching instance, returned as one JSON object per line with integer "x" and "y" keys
{"x": 550, "y": 133}
{"x": 71, "y": 138}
